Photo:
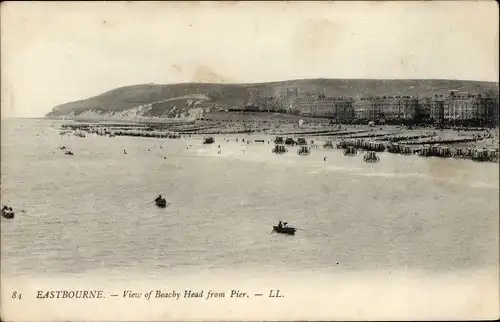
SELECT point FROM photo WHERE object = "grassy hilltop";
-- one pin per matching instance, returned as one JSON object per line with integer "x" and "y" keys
{"x": 176, "y": 100}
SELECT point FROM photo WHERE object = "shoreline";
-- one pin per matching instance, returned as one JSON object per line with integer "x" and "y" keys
{"x": 478, "y": 144}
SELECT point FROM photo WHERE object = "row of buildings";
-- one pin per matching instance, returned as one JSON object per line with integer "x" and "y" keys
{"x": 453, "y": 107}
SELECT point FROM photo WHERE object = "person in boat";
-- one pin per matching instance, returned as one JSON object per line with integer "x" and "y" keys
{"x": 159, "y": 198}
{"x": 7, "y": 210}
{"x": 280, "y": 224}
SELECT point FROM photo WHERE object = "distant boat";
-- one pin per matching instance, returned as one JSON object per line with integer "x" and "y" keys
{"x": 284, "y": 230}
{"x": 161, "y": 202}
{"x": 7, "y": 212}
{"x": 208, "y": 140}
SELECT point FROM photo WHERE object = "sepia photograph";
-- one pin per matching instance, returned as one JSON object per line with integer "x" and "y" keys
{"x": 249, "y": 161}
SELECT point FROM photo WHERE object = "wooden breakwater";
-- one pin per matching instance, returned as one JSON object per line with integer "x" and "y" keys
{"x": 443, "y": 141}
{"x": 122, "y": 130}
{"x": 197, "y": 129}
{"x": 313, "y": 132}
{"x": 372, "y": 135}
{"x": 148, "y": 134}
{"x": 221, "y": 132}
{"x": 409, "y": 137}
{"x": 338, "y": 133}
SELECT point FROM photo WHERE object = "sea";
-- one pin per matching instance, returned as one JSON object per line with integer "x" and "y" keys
{"x": 429, "y": 222}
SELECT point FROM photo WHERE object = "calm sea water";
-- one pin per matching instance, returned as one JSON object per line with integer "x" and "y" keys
{"x": 92, "y": 212}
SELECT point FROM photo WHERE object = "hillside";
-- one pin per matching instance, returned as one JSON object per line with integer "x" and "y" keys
{"x": 190, "y": 99}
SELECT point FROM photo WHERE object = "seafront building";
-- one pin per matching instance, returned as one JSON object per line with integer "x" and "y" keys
{"x": 457, "y": 108}
{"x": 364, "y": 108}
{"x": 491, "y": 106}
{"x": 450, "y": 108}
{"x": 340, "y": 108}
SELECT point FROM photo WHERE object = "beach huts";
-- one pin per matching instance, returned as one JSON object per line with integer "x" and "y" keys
{"x": 328, "y": 145}
{"x": 279, "y": 149}
{"x": 301, "y": 141}
{"x": 304, "y": 150}
{"x": 350, "y": 151}
{"x": 371, "y": 157}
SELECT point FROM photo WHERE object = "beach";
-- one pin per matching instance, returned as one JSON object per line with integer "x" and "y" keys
{"x": 479, "y": 144}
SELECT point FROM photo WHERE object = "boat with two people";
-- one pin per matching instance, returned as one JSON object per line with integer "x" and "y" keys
{"x": 161, "y": 202}
{"x": 7, "y": 212}
{"x": 282, "y": 228}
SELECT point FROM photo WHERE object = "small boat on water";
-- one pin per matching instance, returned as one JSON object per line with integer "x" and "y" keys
{"x": 208, "y": 140}
{"x": 282, "y": 228}
{"x": 7, "y": 212}
{"x": 161, "y": 202}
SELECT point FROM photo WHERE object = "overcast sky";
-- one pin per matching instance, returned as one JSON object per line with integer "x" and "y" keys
{"x": 53, "y": 53}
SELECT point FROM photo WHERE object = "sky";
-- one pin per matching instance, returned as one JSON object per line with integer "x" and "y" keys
{"x": 57, "y": 52}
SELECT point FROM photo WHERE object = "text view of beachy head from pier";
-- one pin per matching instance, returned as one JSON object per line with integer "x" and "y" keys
{"x": 53, "y": 53}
